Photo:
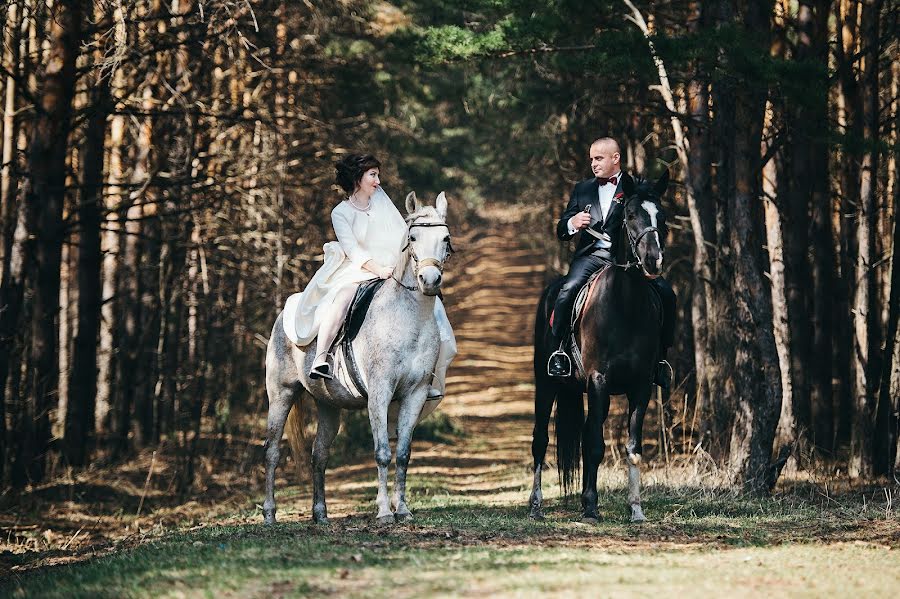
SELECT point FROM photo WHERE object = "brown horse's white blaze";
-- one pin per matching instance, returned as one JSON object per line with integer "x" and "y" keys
{"x": 652, "y": 210}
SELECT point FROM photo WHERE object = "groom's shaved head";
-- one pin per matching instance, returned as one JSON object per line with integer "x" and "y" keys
{"x": 611, "y": 144}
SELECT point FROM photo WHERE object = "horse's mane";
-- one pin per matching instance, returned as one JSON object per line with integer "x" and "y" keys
{"x": 643, "y": 189}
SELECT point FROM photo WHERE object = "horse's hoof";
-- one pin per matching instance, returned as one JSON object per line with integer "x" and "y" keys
{"x": 322, "y": 521}
{"x": 536, "y": 515}
{"x": 637, "y": 514}
{"x": 590, "y": 519}
{"x": 385, "y": 520}
{"x": 403, "y": 516}
{"x": 269, "y": 517}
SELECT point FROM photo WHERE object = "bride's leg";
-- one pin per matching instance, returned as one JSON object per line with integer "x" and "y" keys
{"x": 328, "y": 330}
{"x": 446, "y": 351}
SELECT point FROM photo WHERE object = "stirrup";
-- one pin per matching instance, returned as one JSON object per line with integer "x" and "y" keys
{"x": 322, "y": 371}
{"x": 560, "y": 364}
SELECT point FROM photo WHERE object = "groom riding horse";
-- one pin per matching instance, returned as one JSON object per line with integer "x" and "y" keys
{"x": 624, "y": 328}
{"x": 595, "y": 210}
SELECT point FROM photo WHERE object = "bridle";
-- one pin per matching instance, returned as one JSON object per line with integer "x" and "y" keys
{"x": 633, "y": 241}
{"x": 424, "y": 262}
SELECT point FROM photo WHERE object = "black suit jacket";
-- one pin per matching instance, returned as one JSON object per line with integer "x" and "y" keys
{"x": 585, "y": 193}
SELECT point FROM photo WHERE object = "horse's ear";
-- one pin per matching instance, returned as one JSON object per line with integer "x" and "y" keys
{"x": 412, "y": 202}
{"x": 627, "y": 185}
{"x": 661, "y": 184}
{"x": 441, "y": 205}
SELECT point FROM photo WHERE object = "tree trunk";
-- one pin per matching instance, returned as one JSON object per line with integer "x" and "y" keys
{"x": 10, "y": 297}
{"x": 80, "y": 416}
{"x": 755, "y": 378}
{"x": 12, "y": 292}
{"x": 106, "y": 365}
{"x": 886, "y": 414}
{"x": 811, "y": 174}
{"x": 865, "y": 317}
{"x": 786, "y": 432}
{"x": 47, "y": 172}
{"x": 889, "y": 396}
{"x": 11, "y": 45}
{"x": 849, "y": 119}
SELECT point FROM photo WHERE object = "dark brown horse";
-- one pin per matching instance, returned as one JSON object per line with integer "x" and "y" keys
{"x": 618, "y": 334}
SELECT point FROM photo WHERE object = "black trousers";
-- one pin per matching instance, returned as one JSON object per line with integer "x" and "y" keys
{"x": 579, "y": 272}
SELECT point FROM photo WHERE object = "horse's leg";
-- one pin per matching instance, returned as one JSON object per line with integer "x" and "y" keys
{"x": 637, "y": 408}
{"x": 544, "y": 395}
{"x": 280, "y": 400}
{"x": 594, "y": 445}
{"x": 378, "y": 408}
{"x": 328, "y": 423}
{"x": 406, "y": 423}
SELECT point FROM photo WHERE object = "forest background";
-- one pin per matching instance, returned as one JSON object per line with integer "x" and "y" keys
{"x": 167, "y": 183}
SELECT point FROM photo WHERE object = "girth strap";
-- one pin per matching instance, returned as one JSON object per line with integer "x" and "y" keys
{"x": 353, "y": 368}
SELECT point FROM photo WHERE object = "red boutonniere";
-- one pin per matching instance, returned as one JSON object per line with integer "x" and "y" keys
{"x": 618, "y": 197}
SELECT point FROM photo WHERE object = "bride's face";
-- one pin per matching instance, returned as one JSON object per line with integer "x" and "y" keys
{"x": 369, "y": 182}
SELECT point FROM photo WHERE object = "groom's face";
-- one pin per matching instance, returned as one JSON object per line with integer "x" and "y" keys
{"x": 604, "y": 159}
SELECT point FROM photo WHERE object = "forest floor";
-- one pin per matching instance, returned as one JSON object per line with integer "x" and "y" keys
{"x": 121, "y": 531}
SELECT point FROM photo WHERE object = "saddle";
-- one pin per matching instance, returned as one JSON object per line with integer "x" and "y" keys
{"x": 571, "y": 345}
{"x": 356, "y": 315}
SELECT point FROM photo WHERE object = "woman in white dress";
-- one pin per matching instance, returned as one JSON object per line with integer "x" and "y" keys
{"x": 370, "y": 235}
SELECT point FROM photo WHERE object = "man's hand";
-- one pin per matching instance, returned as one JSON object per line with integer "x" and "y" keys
{"x": 582, "y": 220}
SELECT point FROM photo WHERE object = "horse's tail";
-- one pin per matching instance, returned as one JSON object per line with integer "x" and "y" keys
{"x": 569, "y": 423}
{"x": 295, "y": 429}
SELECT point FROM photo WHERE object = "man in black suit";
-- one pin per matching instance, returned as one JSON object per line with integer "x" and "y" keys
{"x": 595, "y": 251}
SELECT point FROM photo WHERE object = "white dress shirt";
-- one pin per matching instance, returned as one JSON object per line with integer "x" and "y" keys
{"x": 605, "y": 195}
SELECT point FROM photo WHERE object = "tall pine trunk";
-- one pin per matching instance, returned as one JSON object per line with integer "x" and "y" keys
{"x": 80, "y": 415}
{"x": 865, "y": 317}
{"x": 755, "y": 378}
{"x": 45, "y": 196}
{"x": 849, "y": 117}
{"x": 814, "y": 48}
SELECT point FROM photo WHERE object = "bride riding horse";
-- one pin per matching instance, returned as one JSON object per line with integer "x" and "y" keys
{"x": 619, "y": 338}
{"x": 396, "y": 350}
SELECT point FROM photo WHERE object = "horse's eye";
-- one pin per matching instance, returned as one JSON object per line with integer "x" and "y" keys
{"x": 447, "y": 239}
{"x": 412, "y": 237}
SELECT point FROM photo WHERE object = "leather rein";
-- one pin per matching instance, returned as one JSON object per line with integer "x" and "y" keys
{"x": 633, "y": 241}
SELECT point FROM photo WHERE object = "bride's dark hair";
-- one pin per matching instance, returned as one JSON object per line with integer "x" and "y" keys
{"x": 350, "y": 169}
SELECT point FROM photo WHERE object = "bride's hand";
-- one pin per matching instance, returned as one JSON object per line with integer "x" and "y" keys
{"x": 385, "y": 272}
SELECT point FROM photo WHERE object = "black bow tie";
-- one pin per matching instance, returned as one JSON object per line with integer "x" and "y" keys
{"x": 605, "y": 180}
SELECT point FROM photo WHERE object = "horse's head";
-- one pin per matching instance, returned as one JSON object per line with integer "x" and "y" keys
{"x": 427, "y": 242}
{"x": 645, "y": 221}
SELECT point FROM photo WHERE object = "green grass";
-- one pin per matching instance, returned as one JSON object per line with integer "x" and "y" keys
{"x": 699, "y": 541}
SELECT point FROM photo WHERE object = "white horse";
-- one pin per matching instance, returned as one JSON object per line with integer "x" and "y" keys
{"x": 396, "y": 350}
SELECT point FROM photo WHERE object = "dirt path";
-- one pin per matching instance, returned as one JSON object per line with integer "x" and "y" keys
{"x": 470, "y": 490}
